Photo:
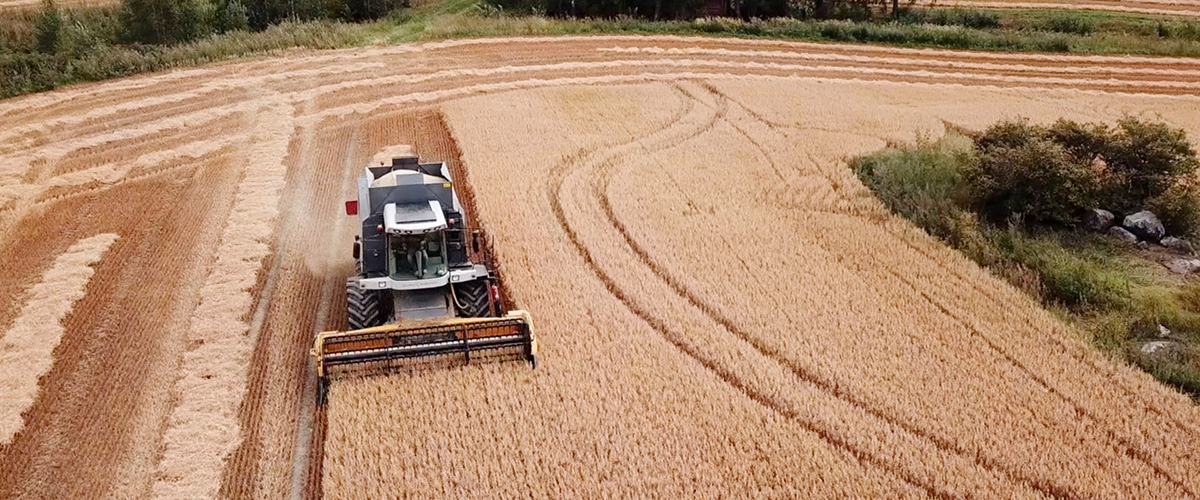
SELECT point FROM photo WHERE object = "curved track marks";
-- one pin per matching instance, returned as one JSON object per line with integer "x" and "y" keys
{"x": 104, "y": 150}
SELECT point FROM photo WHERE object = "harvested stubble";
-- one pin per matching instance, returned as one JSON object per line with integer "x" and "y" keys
{"x": 203, "y": 430}
{"x": 26, "y": 348}
{"x": 724, "y": 308}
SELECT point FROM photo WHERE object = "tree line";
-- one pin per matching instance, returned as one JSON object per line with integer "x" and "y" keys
{"x": 690, "y": 9}
{"x": 155, "y": 22}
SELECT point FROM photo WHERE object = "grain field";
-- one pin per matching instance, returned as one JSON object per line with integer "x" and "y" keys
{"x": 724, "y": 310}
{"x": 1168, "y": 8}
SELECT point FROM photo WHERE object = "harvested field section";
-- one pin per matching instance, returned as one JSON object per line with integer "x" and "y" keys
{"x": 280, "y": 383}
{"x": 724, "y": 310}
{"x": 27, "y": 346}
{"x": 214, "y": 372}
{"x": 105, "y": 372}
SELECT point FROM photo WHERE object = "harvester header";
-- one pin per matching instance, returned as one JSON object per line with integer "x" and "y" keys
{"x": 385, "y": 347}
{"x": 424, "y": 287}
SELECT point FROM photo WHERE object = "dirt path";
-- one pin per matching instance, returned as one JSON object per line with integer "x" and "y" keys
{"x": 181, "y": 371}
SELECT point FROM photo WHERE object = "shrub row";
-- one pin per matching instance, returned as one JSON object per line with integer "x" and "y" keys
{"x": 1052, "y": 174}
{"x": 977, "y": 194}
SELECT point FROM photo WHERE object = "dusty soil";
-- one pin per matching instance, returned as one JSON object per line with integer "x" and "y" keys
{"x": 224, "y": 184}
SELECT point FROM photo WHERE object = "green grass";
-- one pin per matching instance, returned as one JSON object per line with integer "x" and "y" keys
{"x": 91, "y": 50}
{"x": 921, "y": 183}
{"x": 957, "y": 33}
{"x": 1115, "y": 295}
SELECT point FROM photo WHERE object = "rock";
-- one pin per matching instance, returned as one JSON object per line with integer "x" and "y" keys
{"x": 1184, "y": 266}
{"x": 1145, "y": 225}
{"x": 1122, "y": 234}
{"x": 1098, "y": 219}
{"x": 1178, "y": 245}
{"x": 1143, "y": 245}
{"x": 1163, "y": 332}
{"x": 1163, "y": 350}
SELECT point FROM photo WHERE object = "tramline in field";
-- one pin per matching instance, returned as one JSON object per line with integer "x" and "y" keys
{"x": 421, "y": 290}
{"x": 731, "y": 312}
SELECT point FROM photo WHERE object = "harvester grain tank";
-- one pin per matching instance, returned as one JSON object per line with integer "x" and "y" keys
{"x": 423, "y": 287}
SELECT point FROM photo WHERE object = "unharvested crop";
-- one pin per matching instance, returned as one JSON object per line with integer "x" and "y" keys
{"x": 725, "y": 310}
{"x": 689, "y": 248}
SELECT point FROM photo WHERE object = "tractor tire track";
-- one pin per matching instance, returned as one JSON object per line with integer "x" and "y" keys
{"x": 1122, "y": 444}
{"x": 1082, "y": 357}
{"x": 832, "y": 388}
{"x": 67, "y": 132}
{"x": 554, "y": 186}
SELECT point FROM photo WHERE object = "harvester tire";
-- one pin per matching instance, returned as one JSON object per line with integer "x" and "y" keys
{"x": 362, "y": 306}
{"x": 472, "y": 299}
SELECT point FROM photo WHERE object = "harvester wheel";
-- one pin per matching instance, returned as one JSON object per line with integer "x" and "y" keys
{"x": 472, "y": 299}
{"x": 362, "y": 306}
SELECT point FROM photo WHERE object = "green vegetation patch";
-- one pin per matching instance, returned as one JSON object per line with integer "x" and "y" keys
{"x": 46, "y": 48}
{"x": 1012, "y": 199}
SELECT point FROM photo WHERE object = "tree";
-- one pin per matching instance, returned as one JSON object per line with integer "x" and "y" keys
{"x": 230, "y": 15}
{"x": 1023, "y": 171}
{"x": 162, "y": 21}
{"x": 1146, "y": 159}
{"x": 48, "y": 28}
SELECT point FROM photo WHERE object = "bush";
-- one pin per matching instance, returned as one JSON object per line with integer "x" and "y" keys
{"x": 162, "y": 21}
{"x": 1022, "y": 172}
{"x": 1085, "y": 142}
{"x": 922, "y": 183}
{"x": 1051, "y": 174}
{"x": 1076, "y": 279}
{"x": 691, "y": 9}
{"x": 1179, "y": 208}
{"x": 1145, "y": 160}
{"x": 230, "y": 15}
{"x": 48, "y": 28}
{"x": 88, "y": 32}
{"x": 1012, "y": 133}
{"x": 1069, "y": 23}
{"x": 25, "y": 72}
{"x": 978, "y": 19}
{"x": 1182, "y": 376}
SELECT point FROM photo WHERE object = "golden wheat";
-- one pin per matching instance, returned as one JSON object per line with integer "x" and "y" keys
{"x": 725, "y": 310}
{"x": 710, "y": 232}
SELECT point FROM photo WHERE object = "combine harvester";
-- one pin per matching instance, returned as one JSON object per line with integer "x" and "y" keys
{"x": 420, "y": 291}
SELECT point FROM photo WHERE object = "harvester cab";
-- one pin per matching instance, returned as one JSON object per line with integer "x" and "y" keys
{"x": 423, "y": 287}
